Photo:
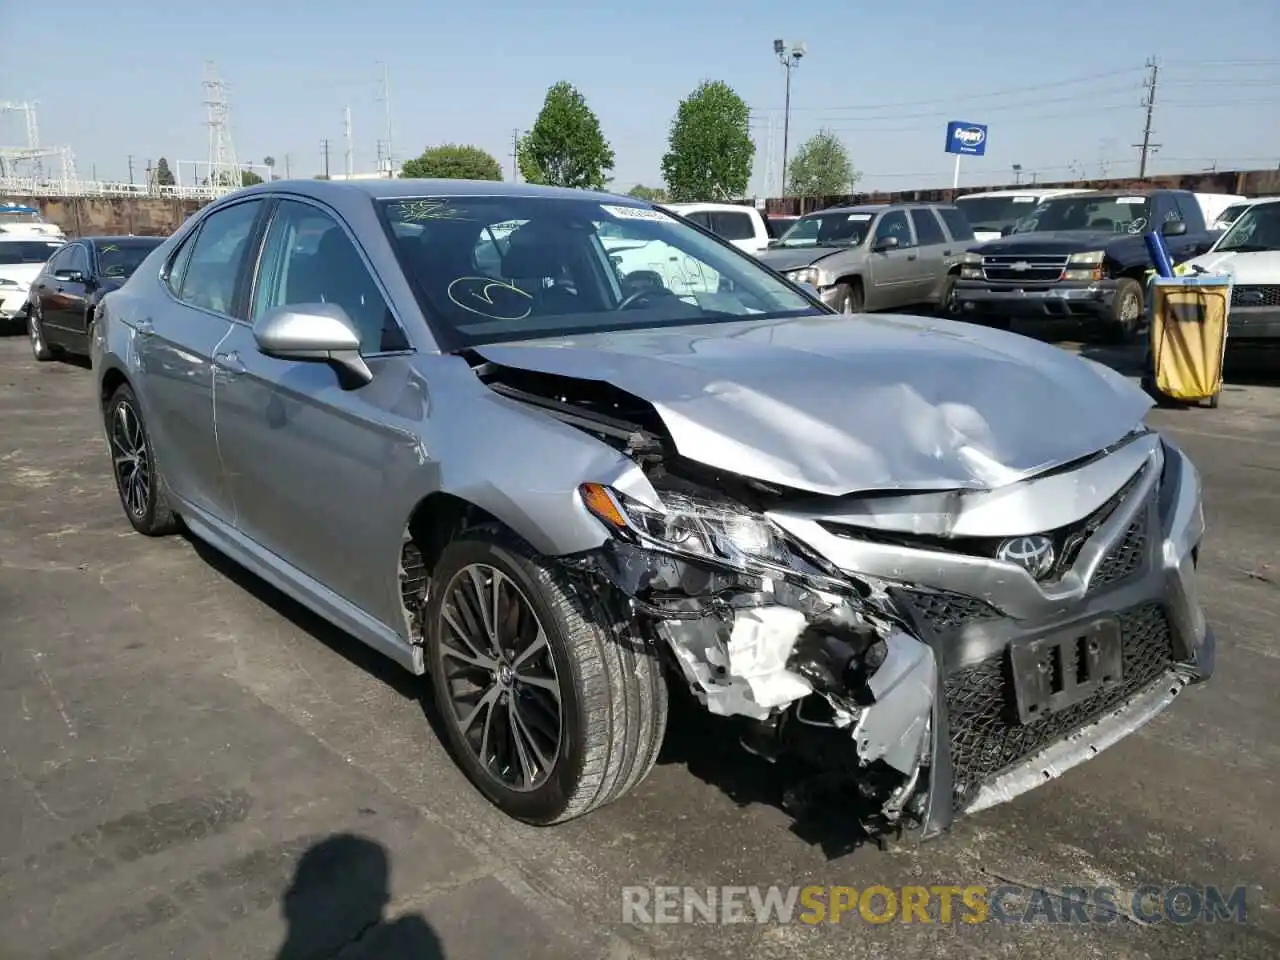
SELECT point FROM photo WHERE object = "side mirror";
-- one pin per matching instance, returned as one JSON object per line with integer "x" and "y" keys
{"x": 70, "y": 276}
{"x": 313, "y": 331}
{"x": 1173, "y": 228}
{"x": 885, "y": 243}
{"x": 1007, "y": 230}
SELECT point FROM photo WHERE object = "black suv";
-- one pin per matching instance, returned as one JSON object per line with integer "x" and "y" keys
{"x": 1081, "y": 256}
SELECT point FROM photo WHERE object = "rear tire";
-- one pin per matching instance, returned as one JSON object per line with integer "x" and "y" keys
{"x": 561, "y": 658}
{"x": 133, "y": 464}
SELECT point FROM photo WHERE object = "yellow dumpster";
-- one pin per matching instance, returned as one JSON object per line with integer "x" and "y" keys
{"x": 1188, "y": 338}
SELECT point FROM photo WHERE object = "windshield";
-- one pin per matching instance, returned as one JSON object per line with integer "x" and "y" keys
{"x": 19, "y": 216}
{"x": 1114, "y": 214}
{"x": 1232, "y": 213}
{"x": 118, "y": 260}
{"x": 842, "y": 229}
{"x": 1257, "y": 230}
{"x": 491, "y": 269}
{"x": 996, "y": 213}
{"x": 27, "y": 251}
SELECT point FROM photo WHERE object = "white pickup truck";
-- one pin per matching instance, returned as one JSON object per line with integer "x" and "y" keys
{"x": 744, "y": 227}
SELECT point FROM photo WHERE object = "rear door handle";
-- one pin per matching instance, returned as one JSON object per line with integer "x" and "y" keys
{"x": 911, "y": 256}
{"x": 230, "y": 362}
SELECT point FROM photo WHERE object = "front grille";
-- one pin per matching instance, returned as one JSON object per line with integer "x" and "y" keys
{"x": 1032, "y": 268}
{"x": 944, "y": 611}
{"x": 986, "y": 737}
{"x": 1256, "y": 295}
{"x": 1126, "y": 557}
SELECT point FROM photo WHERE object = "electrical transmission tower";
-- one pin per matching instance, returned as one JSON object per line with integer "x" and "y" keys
{"x": 223, "y": 168}
{"x": 1149, "y": 103}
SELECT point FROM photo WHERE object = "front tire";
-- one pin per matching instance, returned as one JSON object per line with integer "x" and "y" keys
{"x": 40, "y": 348}
{"x": 1125, "y": 317}
{"x": 133, "y": 463}
{"x": 848, "y": 298}
{"x": 548, "y": 711}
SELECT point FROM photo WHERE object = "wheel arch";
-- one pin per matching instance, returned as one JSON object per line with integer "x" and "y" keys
{"x": 113, "y": 378}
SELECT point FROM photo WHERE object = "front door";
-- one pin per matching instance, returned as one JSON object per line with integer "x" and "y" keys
{"x": 64, "y": 300}
{"x": 307, "y": 459}
{"x": 895, "y": 273}
{"x": 176, "y": 345}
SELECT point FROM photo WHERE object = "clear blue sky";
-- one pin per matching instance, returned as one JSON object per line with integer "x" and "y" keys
{"x": 127, "y": 79}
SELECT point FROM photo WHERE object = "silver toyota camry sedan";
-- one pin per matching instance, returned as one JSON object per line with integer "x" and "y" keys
{"x": 567, "y": 454}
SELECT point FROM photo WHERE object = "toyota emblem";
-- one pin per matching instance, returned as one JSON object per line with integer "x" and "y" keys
{"x": 1034, "y": 554}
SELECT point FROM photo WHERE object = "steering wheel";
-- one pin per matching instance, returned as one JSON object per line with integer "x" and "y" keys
{"x": 631, "y": 299}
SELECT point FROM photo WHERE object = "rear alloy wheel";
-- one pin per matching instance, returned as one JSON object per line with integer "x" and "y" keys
{"x": 40, "y": 349}
{"x": 1126, "y": 312}
{"x": 547, "y": 711}
{"x": 134, "y": 465}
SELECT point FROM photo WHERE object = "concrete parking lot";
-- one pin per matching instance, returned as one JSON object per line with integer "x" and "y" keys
{"x": 187, "y": 759}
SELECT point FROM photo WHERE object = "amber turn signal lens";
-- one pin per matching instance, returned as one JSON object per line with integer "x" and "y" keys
{"x": 598, "y": 501}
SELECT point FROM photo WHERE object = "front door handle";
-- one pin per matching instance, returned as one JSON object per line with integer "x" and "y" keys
{"x": 946, "y": 253}
{"x": 911, "y": 256}
{"x": 145, "y": 328}
{"x": 230, "y": 362}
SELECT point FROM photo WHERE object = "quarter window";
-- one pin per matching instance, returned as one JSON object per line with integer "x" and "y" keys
{"x": 308, "y": 258}
{"x": 208, "y": 278}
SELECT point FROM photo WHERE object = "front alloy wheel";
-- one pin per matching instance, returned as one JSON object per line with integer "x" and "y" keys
{"x": 552, "y": 703}
{"x": 35, "y": 330}
{"x": 504, "y": 691}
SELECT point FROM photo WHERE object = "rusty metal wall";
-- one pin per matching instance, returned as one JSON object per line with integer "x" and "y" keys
{"x": 86, "y": 216}
{"x": 1250, "y": 183}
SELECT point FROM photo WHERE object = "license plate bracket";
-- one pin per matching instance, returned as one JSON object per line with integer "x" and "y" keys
{"x": 1059, "y": 670}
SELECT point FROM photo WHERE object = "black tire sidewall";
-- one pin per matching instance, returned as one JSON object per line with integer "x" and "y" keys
{"x": 548, "y": 801}
{"x": 849, "y": 299}
{"x": 124, "y": 395}
{"x": 35, "y": 325}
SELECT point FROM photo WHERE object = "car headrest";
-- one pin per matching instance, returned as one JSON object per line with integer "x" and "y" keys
{"x": 538, "y": 250}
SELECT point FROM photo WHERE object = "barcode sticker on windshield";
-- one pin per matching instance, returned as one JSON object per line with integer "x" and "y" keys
{"x": 859, "y": 216}
{"x": 1131, "y": 200}
{"x": 635, "y": 213}
{"x": 1024, "y": 199}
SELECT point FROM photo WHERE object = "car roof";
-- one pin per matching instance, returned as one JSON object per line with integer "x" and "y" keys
{"x": 709, "y": 205}
{"x": 409, "y": 188}
{"x": 1029, "y": 191}
{"x": 119, "y": 238}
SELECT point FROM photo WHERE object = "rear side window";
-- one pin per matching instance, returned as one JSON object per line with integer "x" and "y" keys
{"x": 957, "y": 223}
{"x": 700, "y": 217}
{"x": 927, "y": 230}
{"x": 732, "y": 226}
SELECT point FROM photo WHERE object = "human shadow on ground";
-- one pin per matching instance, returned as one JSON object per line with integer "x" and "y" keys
{"x": 336, "y": 903}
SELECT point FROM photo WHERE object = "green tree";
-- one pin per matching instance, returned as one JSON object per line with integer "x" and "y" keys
{"x": 249, "y": 179}
{"x": 453, "y": 161}
{"x": 565, "y": 147}
{"x": 821, "y": 168}
{"x": 652, "y": 194}
{"x": 709, "y": 150}
{"x": 164, "y": 176}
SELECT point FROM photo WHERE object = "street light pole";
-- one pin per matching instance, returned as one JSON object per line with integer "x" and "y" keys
{"x": 788, "y": 54}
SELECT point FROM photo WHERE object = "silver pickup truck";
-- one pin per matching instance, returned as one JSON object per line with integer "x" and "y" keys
{"x": 875, "y": 257}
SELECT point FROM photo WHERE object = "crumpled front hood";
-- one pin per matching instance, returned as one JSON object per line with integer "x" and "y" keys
{"x": 836, "y": 405}
{"x": 789, "y": 258}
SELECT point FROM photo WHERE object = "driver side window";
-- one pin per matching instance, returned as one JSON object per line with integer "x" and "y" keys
{"x": 894, "y": 224}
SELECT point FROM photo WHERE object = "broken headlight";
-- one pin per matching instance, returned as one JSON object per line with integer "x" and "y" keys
{"x": 718, "y": 531}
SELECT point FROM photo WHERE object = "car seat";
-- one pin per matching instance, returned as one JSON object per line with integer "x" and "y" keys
{"x": 336, "y": 274}
{"x": 537, "y": 252}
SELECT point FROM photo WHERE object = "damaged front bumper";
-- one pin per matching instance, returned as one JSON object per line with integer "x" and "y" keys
{"x": 926, "y": 667}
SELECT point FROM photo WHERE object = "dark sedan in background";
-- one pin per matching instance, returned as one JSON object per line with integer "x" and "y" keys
{"x": 68, "y": 289}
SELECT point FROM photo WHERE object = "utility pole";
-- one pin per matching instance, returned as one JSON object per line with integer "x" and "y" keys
{"x": 324, "y": 149}
{"x": 287, "y": 171}
{"x": 788, "y": 55}
{"x": 349, "y": 164}
{"x": 131, "y": 169}
{"x": 515, "y": 156}
{"x": 1149, "y": 102}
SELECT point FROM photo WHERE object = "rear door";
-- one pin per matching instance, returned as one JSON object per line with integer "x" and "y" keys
{"x": 935, "y": 253}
